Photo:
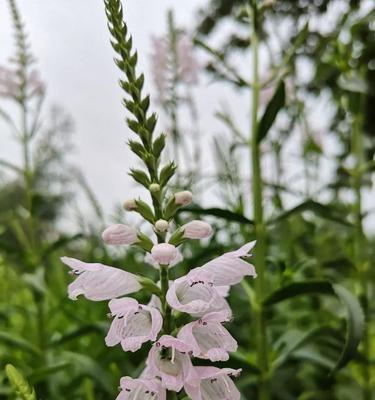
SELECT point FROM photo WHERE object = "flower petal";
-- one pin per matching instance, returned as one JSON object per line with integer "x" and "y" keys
{"x": 134, "y": 324}
{"x": 142, "y": 389}
{"x": 229, "y": 269}
{"x": 99, "y": 282}
{"x": 213, "y": 383}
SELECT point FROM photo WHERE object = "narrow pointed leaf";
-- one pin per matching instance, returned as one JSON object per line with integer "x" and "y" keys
{"x": 274, "y": 106}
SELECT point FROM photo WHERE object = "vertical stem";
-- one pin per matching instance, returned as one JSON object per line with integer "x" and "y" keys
{"x": 257, "y": 186}
{"x": 173, "y": 43}
{"x": 164, "y": 283}
{"x": 360, "y": 247}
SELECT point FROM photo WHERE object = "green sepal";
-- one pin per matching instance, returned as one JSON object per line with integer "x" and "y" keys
{"x": 151, "y": 122}
{"x": 133, "y": 125}
{"x": 137, "y": 148}
{"x": 177, "y": 237}
{"x": 149, "y": 285}
{"x": 129, "y": 104}
{"x": 145, "y": 242}
{"x": 145, "y": 210}
{"x": 158, "y": 145}
{"x": 140, "y": 82}
{"x": 145, "y": 104}
{"x": 166, "y": 173}
{"x": 140, "y": 177}
{"x": 170, "y": 208}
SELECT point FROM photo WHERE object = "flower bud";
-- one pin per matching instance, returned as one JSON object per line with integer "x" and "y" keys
{"x": 130, "y": 205}
{"x": 164, "y": 253}
{"x": 120, "y": 234}
{"x": 161, "y": 225}
{"x": 183, "y": 198}
{"x": 197, "y": 230}
{"x": 154, "y": 188}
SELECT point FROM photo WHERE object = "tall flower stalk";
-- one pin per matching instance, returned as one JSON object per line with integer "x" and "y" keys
{"x": 257, "y": 200}
{"x": 360, "y": 251}
{"x": 201, "y": 293}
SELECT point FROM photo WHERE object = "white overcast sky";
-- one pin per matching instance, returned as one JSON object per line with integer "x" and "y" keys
{"x": 71, "y": 42}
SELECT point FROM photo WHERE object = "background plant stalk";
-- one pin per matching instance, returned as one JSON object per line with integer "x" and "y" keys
{"x": 260, "y": 231}
{"x": 360, "y": 246}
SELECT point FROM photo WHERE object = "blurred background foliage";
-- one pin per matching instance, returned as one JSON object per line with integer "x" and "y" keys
{"x": 319, "y": 276}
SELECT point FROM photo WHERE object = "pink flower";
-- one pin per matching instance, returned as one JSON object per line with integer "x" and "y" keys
{"x": 159, "y": 62}
{"x": 142, "y": 389}
{"x": 169, "y": 360}
{"x": 213, "y": 383}
{"x": 197, "y": 230}
{"x": 120, "y": 234}
{"x": 165, "y": 254}
{"x": 188, "y": 64}
{"x": 196, "y": 294}
{"x": 134, "y": 324}
{"x": 229, "y": 269}
{"x": 208, "y": 338}
{"x": 99, "y": 282}
{"x": 183, "y": 198}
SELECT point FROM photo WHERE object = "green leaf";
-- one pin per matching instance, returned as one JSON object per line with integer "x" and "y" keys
{"x": 273, "y": 107}
{"x": 19, "y": 343}
{"x": 355, "y": 325}
{"x": 79, "y": 332}
{"x": 61, "y": 242}
{"x": 321, "y": 210}
{"x": 296, "y": 289}
{"x": 40, "y": 374}
{"x": 298, "y": 342}
{"x": 219, "y": 212}
{"x": 354, "y": 318}
{"x": 10, "y": 166}
{"x": 19, "y": 384}
{"x": 91, "y": 368}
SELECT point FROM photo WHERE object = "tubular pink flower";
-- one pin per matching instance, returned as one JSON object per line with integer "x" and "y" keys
{"x": 149, "y": 259}
{"x": 169, "y": 360}
{"x": 183, "y": 198}
{"x": 130, "y": 205}
{"x": 141, "y": 389}
{"x": 120, "y": 234}
{"x": 196, "y": 294}
{"x": 208, "y": 338}
{"x": 229, "y": 269}
{"x": 99, "y": 282}
{"x": 197, "y": 230}
{"x": 134, "y": 324}
{"x": 213, "y": 383}
{"x": 165, "y": 254}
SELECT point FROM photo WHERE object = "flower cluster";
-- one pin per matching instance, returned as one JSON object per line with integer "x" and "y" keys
{"x": 186, "y": 62}
{"x": 201, "y": 293}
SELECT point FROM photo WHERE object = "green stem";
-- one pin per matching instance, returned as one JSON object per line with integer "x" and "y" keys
{"x": 164, "y": 283}
{"x": 360, "y": 248}
{"x": 260, "y": 230}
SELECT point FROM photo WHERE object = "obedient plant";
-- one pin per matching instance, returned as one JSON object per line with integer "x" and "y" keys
{"x": 201, "y": 293}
